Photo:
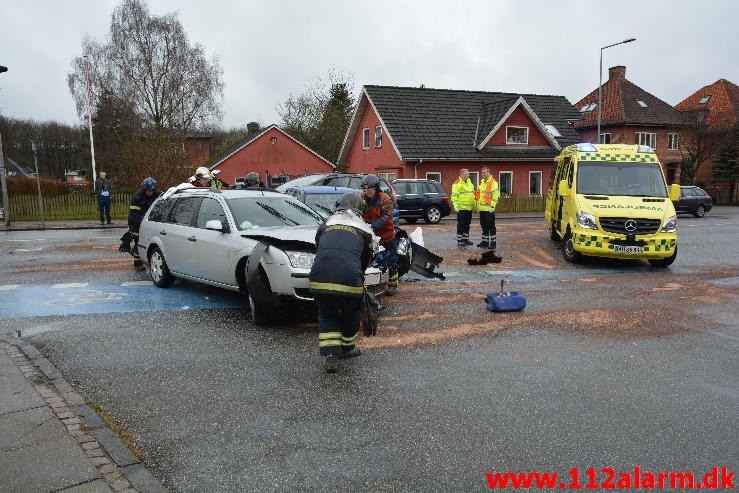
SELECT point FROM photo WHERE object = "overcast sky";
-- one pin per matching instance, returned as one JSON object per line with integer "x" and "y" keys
{"x": 270, "y": 49}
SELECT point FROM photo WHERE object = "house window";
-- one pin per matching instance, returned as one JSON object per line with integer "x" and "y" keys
{"x": 434, "y": 175}
{"x": 388, "y": 176}
{"x": 642, "y": 104}
{"x": 673, "y": 142}
{"x": 588, "y": 107}
{"x": 534, "y": 182}
{"x": 605, "y": 138}
{"x": 378, "y": 136}
{"x": 365, "y": 138}
{"x": 704, "y": 100}
{"x": 517, "y": 135}
{"x": 646, "y": 139}
{"x": 475, "y": 178}
{"x": 505, "y": 180}
{"x": 553, "y": 130}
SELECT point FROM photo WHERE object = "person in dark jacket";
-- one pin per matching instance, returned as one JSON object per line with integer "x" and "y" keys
{"x": 343, "y": 252}
{"x": 140, "y": 203}
{"x": 103, "y": 192}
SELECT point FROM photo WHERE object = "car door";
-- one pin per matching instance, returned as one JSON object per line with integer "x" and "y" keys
{"x": 177, "y": 233}
{"x": 212, "y": 252}
{"x": 687, "y": 197}
{"x": 410, "y": 201}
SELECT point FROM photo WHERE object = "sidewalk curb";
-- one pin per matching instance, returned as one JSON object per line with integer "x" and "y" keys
{"x": 115, "y": 463}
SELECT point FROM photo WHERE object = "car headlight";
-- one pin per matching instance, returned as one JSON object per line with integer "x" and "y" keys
{"x": 301, "y": 260}
{"x": 670, "y": 224}
{"x": 585, "y": 220}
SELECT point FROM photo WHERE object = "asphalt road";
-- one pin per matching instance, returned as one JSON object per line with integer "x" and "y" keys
{"x": 611, "y": 365}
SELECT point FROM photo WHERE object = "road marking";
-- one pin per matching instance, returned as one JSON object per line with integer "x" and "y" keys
{"x": 71, "y": 285}
{"x": 36, "y": 239}
{"x": 136, "y": 283}
{"x": 8, "y": 287}
{"x": 28, "y": 249}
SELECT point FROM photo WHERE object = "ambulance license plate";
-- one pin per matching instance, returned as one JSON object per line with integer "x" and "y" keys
{"x": 633, "y": 250}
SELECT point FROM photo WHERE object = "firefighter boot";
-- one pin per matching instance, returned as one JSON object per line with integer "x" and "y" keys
{"x": 392, "y": 284}
{"x": 331, "y": 363}
{"x": 351, "y": 353}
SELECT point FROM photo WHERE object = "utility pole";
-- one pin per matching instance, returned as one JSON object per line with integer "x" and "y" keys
{"x": 6, "y": 203}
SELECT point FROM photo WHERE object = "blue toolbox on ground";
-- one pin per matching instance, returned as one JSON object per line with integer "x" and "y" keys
{"x": 505, "y": 301}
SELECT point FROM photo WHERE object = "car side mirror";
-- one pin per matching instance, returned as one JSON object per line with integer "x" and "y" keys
{"x": 563, "y": 189}
{"x": 216, "y": 225}
{"x": 674, "y": 192}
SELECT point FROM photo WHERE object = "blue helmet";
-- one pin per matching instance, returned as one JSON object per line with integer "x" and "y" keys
{"x": 149, "y": 183}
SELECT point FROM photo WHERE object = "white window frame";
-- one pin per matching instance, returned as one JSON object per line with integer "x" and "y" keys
{"x": 388, "y": 176}
{"x": 646, "y": 139}
{"x": 431, "y": 175}
{"x": 541, "y": 178}
{"x": 602, "y": 139}
{"x": 507, "y": 140}
{"x": 673, "y": 142}
{"x": 475, "y": 178}
{"x": 500, "y": 181}
{"x": 378, "y": 136}
{"x": 365, "y": 138}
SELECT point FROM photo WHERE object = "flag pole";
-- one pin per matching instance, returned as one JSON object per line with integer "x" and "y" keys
{"x": 89, "y": 118}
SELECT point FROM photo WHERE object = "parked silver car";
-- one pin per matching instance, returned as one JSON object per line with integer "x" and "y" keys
{"x": 260, "y": 243}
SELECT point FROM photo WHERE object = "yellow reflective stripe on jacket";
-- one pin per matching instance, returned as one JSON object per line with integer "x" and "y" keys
{"x": 463, "y": 195}
{"x": 135, "y": 208}
{"x": 332, "y": 286}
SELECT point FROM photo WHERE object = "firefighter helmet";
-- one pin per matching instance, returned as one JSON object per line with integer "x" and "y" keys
{"x": 371, "y": 181}
{"x": 149, "y": 183}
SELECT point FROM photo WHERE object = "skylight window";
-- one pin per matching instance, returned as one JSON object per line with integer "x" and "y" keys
{"x": 704, "y": 99}
{"x": 553, "y": 131}
{"x": 642, "y": 104}
{"x": 588, "y": 107}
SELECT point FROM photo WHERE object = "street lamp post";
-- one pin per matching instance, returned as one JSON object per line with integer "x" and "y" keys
{"x": 6, "y": 205}
{"x": 600, "y": 80}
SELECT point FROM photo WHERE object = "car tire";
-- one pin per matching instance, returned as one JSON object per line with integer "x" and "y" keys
{"x": 158, "y": 270}
{"x": 259, "y": 314}
{"x": 568, "y": 248}
{"x": 700, "y": 211}
{"x": 664, "y": 262}
{"x": 432, "y": 215}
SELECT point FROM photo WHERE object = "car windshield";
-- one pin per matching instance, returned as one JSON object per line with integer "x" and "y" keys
{"x": 267, "y": 212}
{"x": 324, "y": 203}
{"x": 299, "y": 182}
{"x": 609, "y": 178}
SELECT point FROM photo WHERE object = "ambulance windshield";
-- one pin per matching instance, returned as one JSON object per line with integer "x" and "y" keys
{"x": 619, "y": 178}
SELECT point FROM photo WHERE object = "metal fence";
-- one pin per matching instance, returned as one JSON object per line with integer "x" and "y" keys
{"x": 66, "y": 207}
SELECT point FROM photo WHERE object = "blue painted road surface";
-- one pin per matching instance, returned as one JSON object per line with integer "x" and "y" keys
{"x": 83, "y": 298}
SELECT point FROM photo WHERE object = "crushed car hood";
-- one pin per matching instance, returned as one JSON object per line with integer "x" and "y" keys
{"x": 305, "y": 235}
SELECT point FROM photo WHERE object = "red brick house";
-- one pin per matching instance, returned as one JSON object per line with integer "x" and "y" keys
{"x": 715, "y": 106}
{"x": 270, "y": 152}
{"x": 631, "y": 115}
{"x": 411, "y": 132}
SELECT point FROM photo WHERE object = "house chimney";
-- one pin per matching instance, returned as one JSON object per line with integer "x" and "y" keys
{"x": 617, "y": 73}
{"x": 252, "y": 128}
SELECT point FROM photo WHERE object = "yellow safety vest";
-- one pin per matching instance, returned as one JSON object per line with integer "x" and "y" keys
{"x": 463, "y": 195}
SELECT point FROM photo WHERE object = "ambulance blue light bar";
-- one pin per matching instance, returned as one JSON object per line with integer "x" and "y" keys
{"x": 586, "y": 148}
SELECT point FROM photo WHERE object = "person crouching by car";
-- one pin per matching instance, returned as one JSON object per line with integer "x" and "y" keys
{"x": 343, "y": 252}
{"x": 140, "y": 203}
{"x": 378, "y": 212}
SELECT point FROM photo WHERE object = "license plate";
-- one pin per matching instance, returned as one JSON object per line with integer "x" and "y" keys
{"x": 372, "y": 279}
{"x": 629, "y": 249}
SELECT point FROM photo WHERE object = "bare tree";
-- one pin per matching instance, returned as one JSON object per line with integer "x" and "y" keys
{"x": 699, "y": 143}
{"x": 150, "y": 67}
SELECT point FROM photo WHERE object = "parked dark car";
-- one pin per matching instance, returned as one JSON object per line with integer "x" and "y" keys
{"x": 421, "y": 199}
{"x": 321, "y": 199}
{"x": 693, "y": 200}
{"x": 349, "y": 180}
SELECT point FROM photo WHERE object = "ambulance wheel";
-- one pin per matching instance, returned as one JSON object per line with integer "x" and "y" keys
{"x": 160, "y": 275}
{"x": 664, "y": 262}
{"x": 568, "y": 248}
{"x": 553, "y": 235}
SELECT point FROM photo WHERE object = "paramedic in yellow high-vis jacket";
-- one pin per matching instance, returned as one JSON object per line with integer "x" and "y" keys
{"x": 486, "y": 198}
{"x": 463, "y": 201}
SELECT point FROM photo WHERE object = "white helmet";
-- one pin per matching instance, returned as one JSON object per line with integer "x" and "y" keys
{"x": 202, "y": 171}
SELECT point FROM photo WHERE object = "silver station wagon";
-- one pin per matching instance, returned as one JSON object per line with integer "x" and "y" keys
{"x": 260, "y": 243}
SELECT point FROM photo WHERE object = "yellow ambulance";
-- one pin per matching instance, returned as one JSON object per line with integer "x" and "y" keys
{"x": 611, "y": 200}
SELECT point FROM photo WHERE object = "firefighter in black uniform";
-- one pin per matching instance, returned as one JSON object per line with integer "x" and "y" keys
{"x": 343, "y": 252}
{"x": 140, "y": 203}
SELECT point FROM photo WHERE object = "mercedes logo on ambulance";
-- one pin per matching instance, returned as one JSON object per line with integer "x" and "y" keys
{"x": 630, "y": 225}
